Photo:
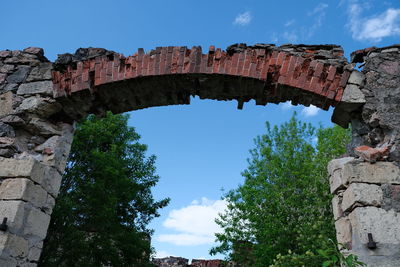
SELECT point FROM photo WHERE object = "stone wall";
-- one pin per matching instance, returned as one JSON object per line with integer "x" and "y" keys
{"x": 182, "y": 262}
{"x": 33, "y": 151}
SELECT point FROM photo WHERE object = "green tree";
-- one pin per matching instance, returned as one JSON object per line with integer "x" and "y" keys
{"x": 105, "y": 202}
{"x": 283, "y": 208}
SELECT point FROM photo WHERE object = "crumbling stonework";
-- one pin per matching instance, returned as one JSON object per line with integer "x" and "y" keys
{"x": 33, "y": 151}
{"x": 182, "y": 262}
{"x": 40, "y": 101}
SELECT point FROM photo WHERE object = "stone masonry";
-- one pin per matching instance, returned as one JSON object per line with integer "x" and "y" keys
{"x": 40, "y": 101}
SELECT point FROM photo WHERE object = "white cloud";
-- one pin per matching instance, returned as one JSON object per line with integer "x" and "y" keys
{"x": 310, "y": 111}
{"x": 303, "y": 33}
{"x": 289, "y": 22}
{"x": 373, "y": 28}
{"x": 162, "y": 254}
{"x": 186, "y": 239}
{"x": 243, "y": 19}
{"x": 318, "y": 9}
{"x": 195, "y": 223}
{"x": 291, "y": 36}
{"x": 287, "y": 105}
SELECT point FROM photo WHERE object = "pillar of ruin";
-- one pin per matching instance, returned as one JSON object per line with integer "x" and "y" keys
{"x": 33, "y": 151}
{"x": 366, "y": 186}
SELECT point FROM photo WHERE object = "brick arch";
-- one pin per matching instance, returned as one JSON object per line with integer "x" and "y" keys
{"x": 95, "y": 80}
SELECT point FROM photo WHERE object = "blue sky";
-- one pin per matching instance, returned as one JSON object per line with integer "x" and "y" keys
{"x": 202, "y": 147}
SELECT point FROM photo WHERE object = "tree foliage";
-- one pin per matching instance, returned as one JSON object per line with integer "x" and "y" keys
{"x": 283, "y": 209}
{"x": 105, "y": 202}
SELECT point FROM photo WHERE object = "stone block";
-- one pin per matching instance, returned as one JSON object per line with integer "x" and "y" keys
{"x": 44, "y": 107}
{"x": 48, "y": 177}
{"x": 36, "y": 224}
{"x": 353, "y": 95}
{"x": 377, "y": 173}
{"x": 34, "y": 253}
{"x": 24, "y": 167}
{"x": 25, "y": 189}
{"x": 33, "y": 88}
{"x": 20, "y": 75}
{"x": 337, "y": 207}
{"x": 42, "y": 127}
{"x": 343, "y": 231}
{"x": 356, "y": 77}
{"x": 336, "y": 164}
{"x": 337, "y": 181}
{"x": 361, "y": 194}
{"x": 13, "y": 245}
{"x": 6, "y": 101}
{"x": 41, "y": 72}
{"x": 15, "y": 212}
{"x": 383, "y": 225}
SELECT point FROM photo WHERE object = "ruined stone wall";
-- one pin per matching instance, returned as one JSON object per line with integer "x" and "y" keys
{"x": 182, "y": 262}
{"x": 33, "y": 152}
{"x": 366, "y": 189}
{"x": 40, "y": 101}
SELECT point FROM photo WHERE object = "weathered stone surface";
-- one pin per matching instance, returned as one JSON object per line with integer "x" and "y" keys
{"x": 44, "y": 107}
{"x": 42, "y": 127}
{"x": 383, "y": 225}
{"x": 357, "y": 78}
{"x": 361, "y": 194}
{"x": 377, "y": 173}
{"x": 352, "y": 94}
{"x": 37, "y": 223}
{"x": 6, "y": 104}
{"x": 33, "y": 88}
{"x": 25, "y": 189}
{"x": 337, "y": 207}
{"x": 41, "y": 72}
{"x": 20, "y": 75}
{"x": 34, "y": 252}
{"x": 7, "y": 68}
{"x": 337, "y": 164}
{"x": 13, "y": 245}
{"x": 343, "y": 231}
{"x": 336, "y": 181}
{"x": 6, "y": 130}
{"x": 391, "y": 197}
{"x": 15, "y": 212}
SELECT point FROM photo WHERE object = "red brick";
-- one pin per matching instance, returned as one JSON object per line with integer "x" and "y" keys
{"x": 339, "y": 94}
{"x": 280, "y": 58}
{"x": 331, "y": 73}
{"x": 345, "y": 77}
{"x": 234, "y": 64}
{"x": 239, "y": 70}
{"x": 318, "y": 69}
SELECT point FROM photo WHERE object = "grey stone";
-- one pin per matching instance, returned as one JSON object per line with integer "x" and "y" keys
{"x": 44, "y": 107}
{"x": 20, "y": 75}
{"x": 11, "y": 87}
{"x": 337, "y": 164}
{"x": 6, "y": 130}
{"x": 37, "y": 223}
{"x": 15, "y": 211}
{"x": 377, "y": 173}
{"x": 41, "y": 72}
{"x": 13, "y": 245}
{"x": 43, "y": 127}
{"x": 50, "y": 143}
{"x": 361, "y": 194}
{"x": 357, "y": 78}
{"x": 12, "y": 120}
{"x": 23, "y": 189}
{"x": 7, "y": 68}
{"x": 343, "y": 231}
{"x": 383, "y": 225}
{"x": 6, "y": 104}
{"x": 42, "y": 87}
{"x": 337, "y": 207}
{"x": 394, "y": 49}
{"x": 353, "y": 95}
